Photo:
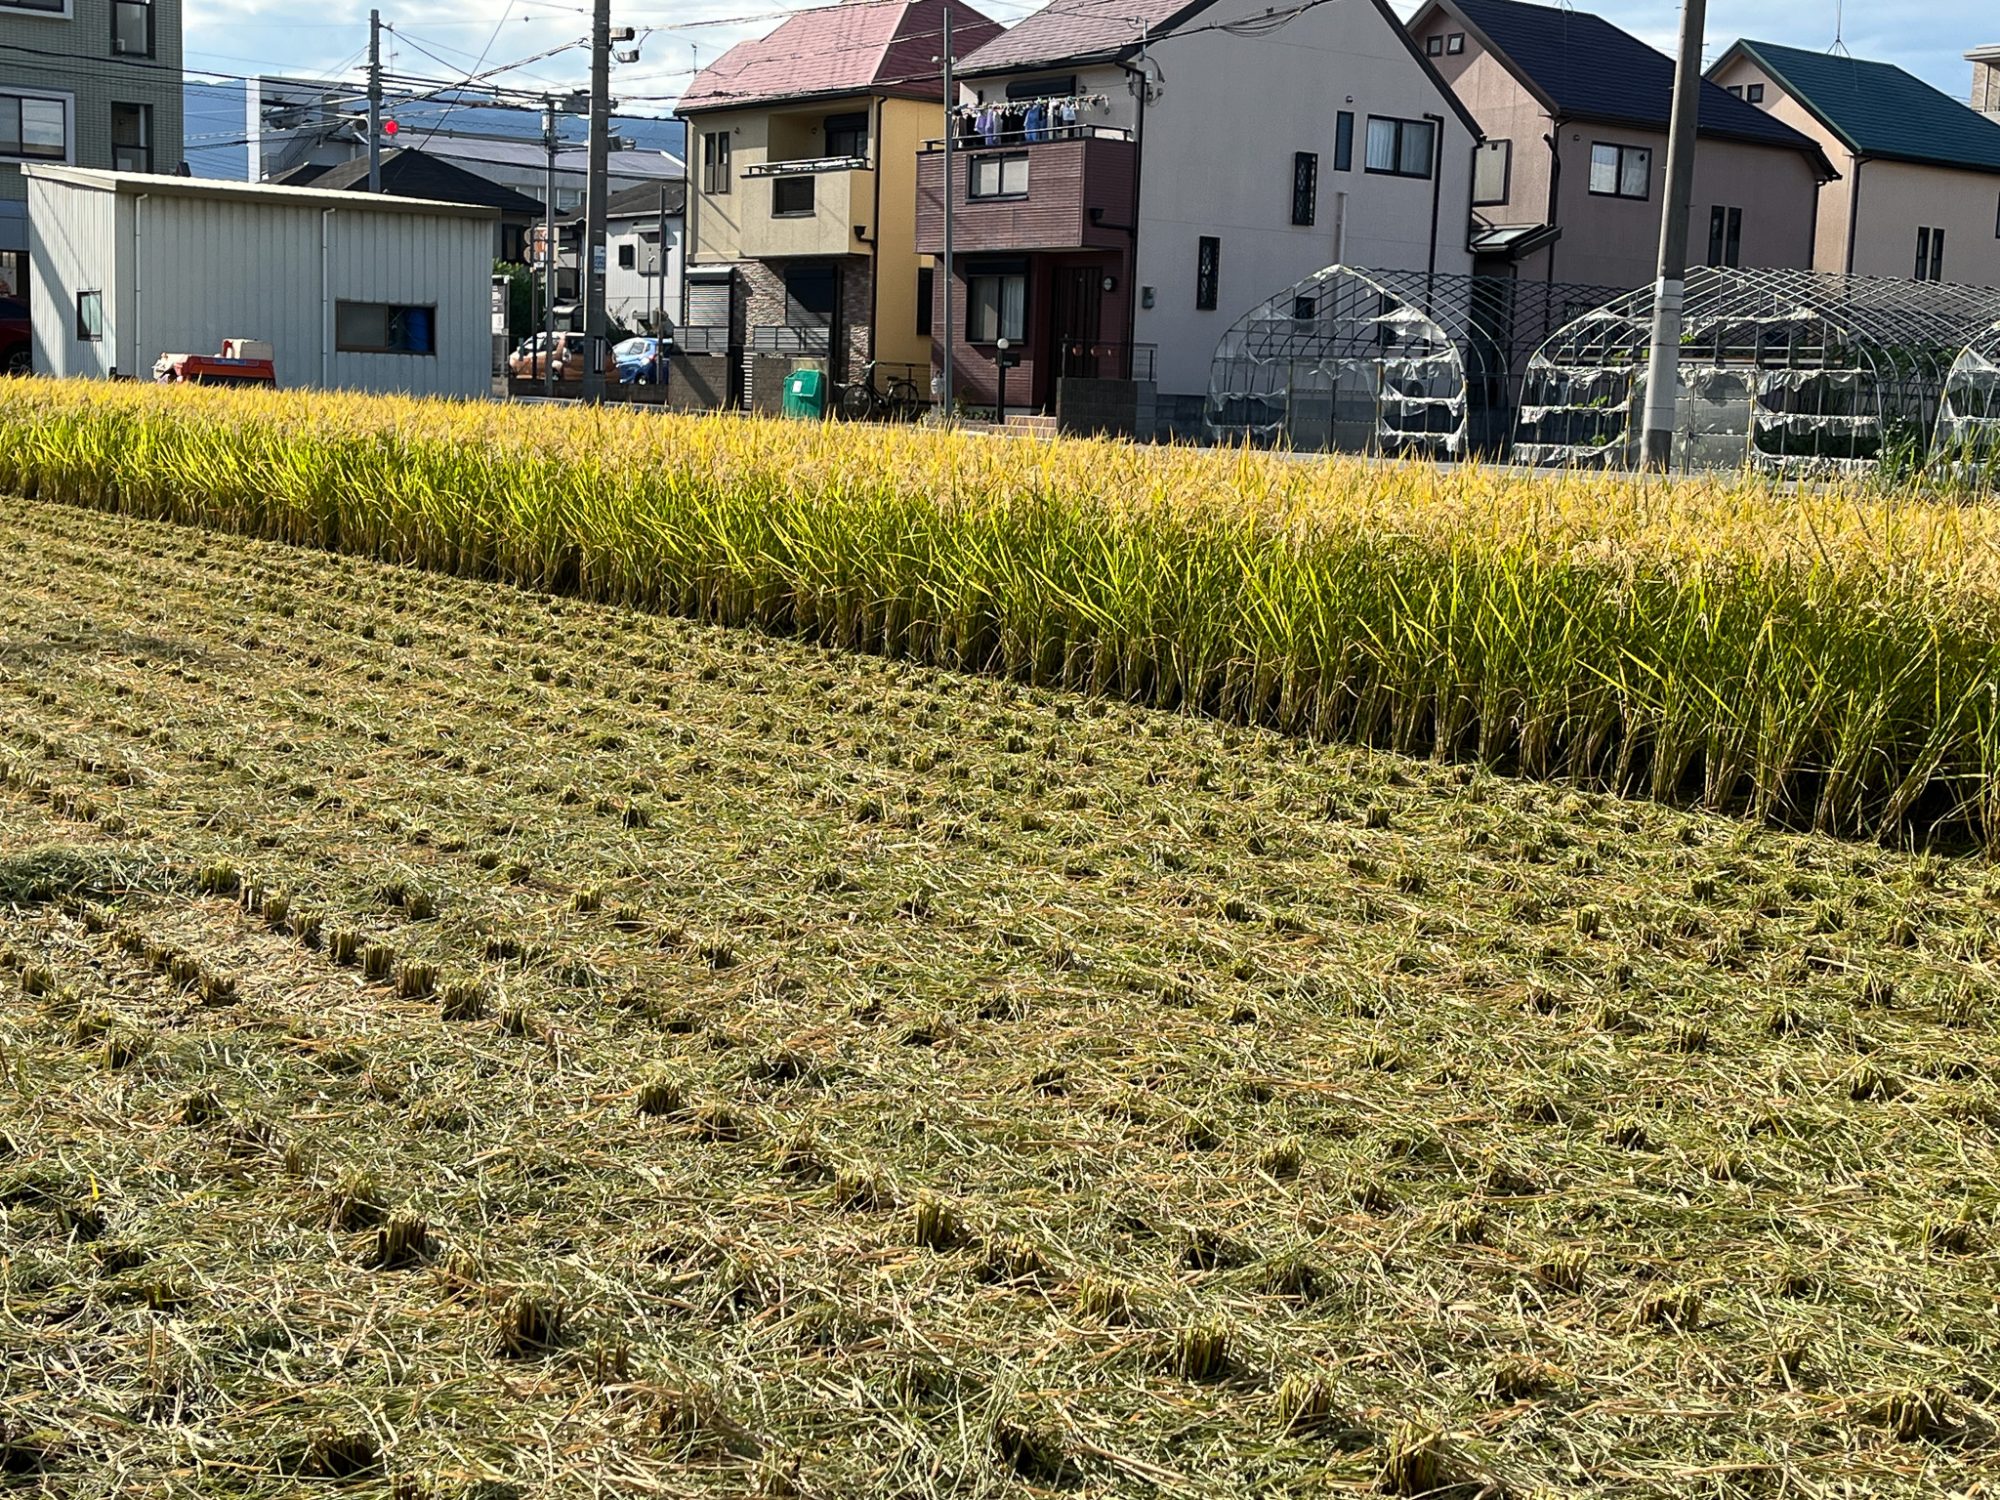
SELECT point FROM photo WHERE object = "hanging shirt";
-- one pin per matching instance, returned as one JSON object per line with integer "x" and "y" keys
{"x": 989, "y": 125}
{"x": 1037, "y": 118}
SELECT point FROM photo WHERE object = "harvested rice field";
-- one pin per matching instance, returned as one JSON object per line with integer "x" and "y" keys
{"x": 457, "y": 1041}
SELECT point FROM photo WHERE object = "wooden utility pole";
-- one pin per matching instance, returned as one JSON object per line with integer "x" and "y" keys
{"x": 1663, "y": 361}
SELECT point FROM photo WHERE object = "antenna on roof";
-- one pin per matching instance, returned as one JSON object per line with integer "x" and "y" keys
{"x": 1839, "y": 26}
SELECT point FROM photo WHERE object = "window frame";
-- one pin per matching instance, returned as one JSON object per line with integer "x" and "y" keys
{"x": 1000, "y": 161}
{"x": 1454, "y": 45}
{"x": 60, "y": 10}
{"x": 628, "y": 255}
{"x": 144, "y": 115}
{"x": 1618, "y": 172}
{"x": 715, "y": 164}
{"x": 1753, "y": 93}
{"x": 1930, "y": 253}
{"x": 1725, "y": 235}
{"x": 86, "y": 332}
{"x": 1505, "y": 147}
{"x": 1343, "y": 141}
{"x": 1207, "y": 272}
{"x": 844, "y": 122}
{"x": 1434, "y": 45}
{"x": 1015, "y": 331}
{"x": 342, "y": 344}
{"x": 66, "y": 102}
{"x": 796, "y": 182}
{"x": 117, "y": 7}
{"x": 926, "y": 296}
{"x": 1400, "y": 126}
{"x": 1305, "y": 189}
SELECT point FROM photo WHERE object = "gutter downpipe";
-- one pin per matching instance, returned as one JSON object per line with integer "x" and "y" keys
{"x": 1132, "y": 270}
{"x": 1437, "y": 196}
{"x": 326, "y": 299}
{"x": 1554, "y": 138}
{"x": 1854, "y": 210}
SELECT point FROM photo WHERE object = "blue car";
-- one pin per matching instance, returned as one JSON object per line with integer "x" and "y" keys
{"x": 641, "y": 361}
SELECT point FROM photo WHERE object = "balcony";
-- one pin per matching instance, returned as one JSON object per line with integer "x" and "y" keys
{"x": 810, "y": 206}
{"x": 1072, "y": 193}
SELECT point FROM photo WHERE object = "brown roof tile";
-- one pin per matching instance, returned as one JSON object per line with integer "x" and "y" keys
{"x": 1076, "y": 30}
{"x": 854, "y": 47}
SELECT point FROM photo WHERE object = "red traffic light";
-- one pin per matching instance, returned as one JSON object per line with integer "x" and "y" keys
{"x": 389, "y": 127}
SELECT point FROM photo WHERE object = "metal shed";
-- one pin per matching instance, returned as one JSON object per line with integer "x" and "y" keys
{"x": 1796, "y": 372}
{"x": 354, "y": 291}
{"x": 1396, "y": 362}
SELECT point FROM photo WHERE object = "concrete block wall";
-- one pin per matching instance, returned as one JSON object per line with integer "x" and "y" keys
{"x": 700, "y": 382}
{"x": 1105, "y": 408}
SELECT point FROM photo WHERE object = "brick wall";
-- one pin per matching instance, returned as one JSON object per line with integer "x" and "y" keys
{"x": 763, "y": 298}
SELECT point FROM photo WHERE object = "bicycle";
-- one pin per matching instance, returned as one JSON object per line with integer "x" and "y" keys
{"x": 861, "y": 401}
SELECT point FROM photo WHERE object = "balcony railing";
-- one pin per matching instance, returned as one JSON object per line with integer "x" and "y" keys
{"x": 1013, "y": 140}
{"x": 788, "y": 338}
{"x": 701, "y": 338}
{"x": 807, "y": 165}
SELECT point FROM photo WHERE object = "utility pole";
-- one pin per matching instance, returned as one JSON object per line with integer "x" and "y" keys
{"x": 1663, "y": 360}
{"x": 590, "y": 257}
{"x": 944, "y": 391}
{"x": 374, "y": 101}
{"x": 549, "y": 139}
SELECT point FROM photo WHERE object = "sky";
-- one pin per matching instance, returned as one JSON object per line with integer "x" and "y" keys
{"x": 450, "y": 38}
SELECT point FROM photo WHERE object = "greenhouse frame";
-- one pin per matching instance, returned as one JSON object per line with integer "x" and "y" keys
{"x": 1425, "y": 364}
{"x": 1793, "y": 372}
{"x": 1968, "y": 430}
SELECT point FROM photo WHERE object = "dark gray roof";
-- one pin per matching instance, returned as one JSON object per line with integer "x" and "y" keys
{"x": 417, "y": 174}
{"x": 1066, "y": 31}
{"x": 645, "y": 199}
{"x": 1584, "y": 68}
{"x": 1879, "y": 110}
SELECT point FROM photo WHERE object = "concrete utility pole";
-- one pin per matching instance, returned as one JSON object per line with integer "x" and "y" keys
{"x": 1663, "y": 361}
{"x": 591, "y": 253}
{"x": 944, "y": 390}
{"x": 549, "y": 139}
{"x": 374, "y": 101}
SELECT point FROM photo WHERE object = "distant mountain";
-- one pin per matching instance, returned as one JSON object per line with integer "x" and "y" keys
{"x": 216, "y": 140}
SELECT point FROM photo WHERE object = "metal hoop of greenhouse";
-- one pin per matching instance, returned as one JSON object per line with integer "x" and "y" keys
{"x": 1968, "y": 430}
{"x": 1794, "y": 372}
{"x": 1390, "y": 362}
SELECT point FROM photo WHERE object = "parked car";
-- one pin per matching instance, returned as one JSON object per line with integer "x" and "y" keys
{"x": 16, "y": 337}
{"x": 641, "y": 361}
{"x": 529, "y": 360}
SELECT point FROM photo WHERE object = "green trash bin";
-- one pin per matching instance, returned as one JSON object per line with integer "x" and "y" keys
{"x": 805, "y": 393}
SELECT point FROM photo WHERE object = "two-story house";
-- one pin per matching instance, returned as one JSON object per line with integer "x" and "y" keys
{"x": 90, "y": 83}
{"x": 802, "y": 149}
{"x": 1569, "y": 184}
{"x": 1919, "y": 189}
{"x": 1127, "y": 177}
{"x": 1985, "y": 80}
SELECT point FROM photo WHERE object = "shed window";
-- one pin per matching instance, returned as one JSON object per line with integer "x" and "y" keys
{"x": 1400, "y": 148}
{"x": 384, "y": 328}
{"x": 90, "y": 316}
{"x": 34, "y": 127}
{"x": 791, "y": 197}
{"x": 1492, "y": 161}
{"x": 998, "y": 176}
{"x": 1621, "y": 171}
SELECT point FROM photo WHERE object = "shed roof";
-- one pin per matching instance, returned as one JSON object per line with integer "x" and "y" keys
{"x": 1877, "y": 109}
{"x": 413, "y": 173}
{"x": 1583, "y": 67}
{"x": 853, "y": 47}
{"x": 268, "y": 193}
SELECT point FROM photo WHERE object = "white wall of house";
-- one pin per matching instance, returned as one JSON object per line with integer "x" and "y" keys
{"x": 182, "y": 264}
{"x": 634, "y": 292}
{"x": 1217, "y": 146}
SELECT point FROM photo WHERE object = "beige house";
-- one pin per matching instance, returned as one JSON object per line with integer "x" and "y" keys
{"x": 1569, "y": 183}
{"x": 801, "y": 207}
{"x": 1919, "y": 188}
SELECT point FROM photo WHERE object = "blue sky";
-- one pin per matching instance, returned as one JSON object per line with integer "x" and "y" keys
{"x": 447, "y": 38}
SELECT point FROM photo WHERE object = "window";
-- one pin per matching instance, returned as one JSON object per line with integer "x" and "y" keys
{"x": 1434, "y": 45}
{"x": 1621, "y": 171}
{"x": 847, "y": 135}
{"x": 131, "y": 28}
{"x": 1343, "y": 141}
{"x": 1930, "y": 255}
{"x": 998, "y": 176}
{"x": 1207, "y": 272}
{"x": 1400, "y": 148}
{"x": 568, "y": 198}
{"x": 996, "y": 307}
{"x": 34, "y": 128}
{"x": 1305, "y": 309}
{"x": 1492, "y": 164}
{"x": 1725, "y": 236}
{"x": 49, "y": 7}
{"x": 628, "y": 256}
{"x": 926, "y": 290}
{"x": 1754, "y": 93}
{"x": 1305, "y": 186}
{"x": 90, "y": 316}
{"x": 383, "y": 328}
{"x": 715, "y": 162}
{"x": 791, "y": 197}
{"x": 1049, "y": 86}
{"x": 1455, "y": 43}
{"x": 810, "y": 295}
{"x": 131, "y": 137}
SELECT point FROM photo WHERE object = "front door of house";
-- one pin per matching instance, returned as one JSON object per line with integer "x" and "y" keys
{"x": 1075, "y": 312}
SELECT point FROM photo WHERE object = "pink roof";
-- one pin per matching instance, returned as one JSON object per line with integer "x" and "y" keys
{"x": 854, "y": 47}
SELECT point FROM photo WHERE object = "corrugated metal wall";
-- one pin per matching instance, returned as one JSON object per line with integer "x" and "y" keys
{"x": 196, "y": 270}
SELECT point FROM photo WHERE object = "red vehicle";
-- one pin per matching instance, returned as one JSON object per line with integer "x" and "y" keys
{"x": 16, "y": 338}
